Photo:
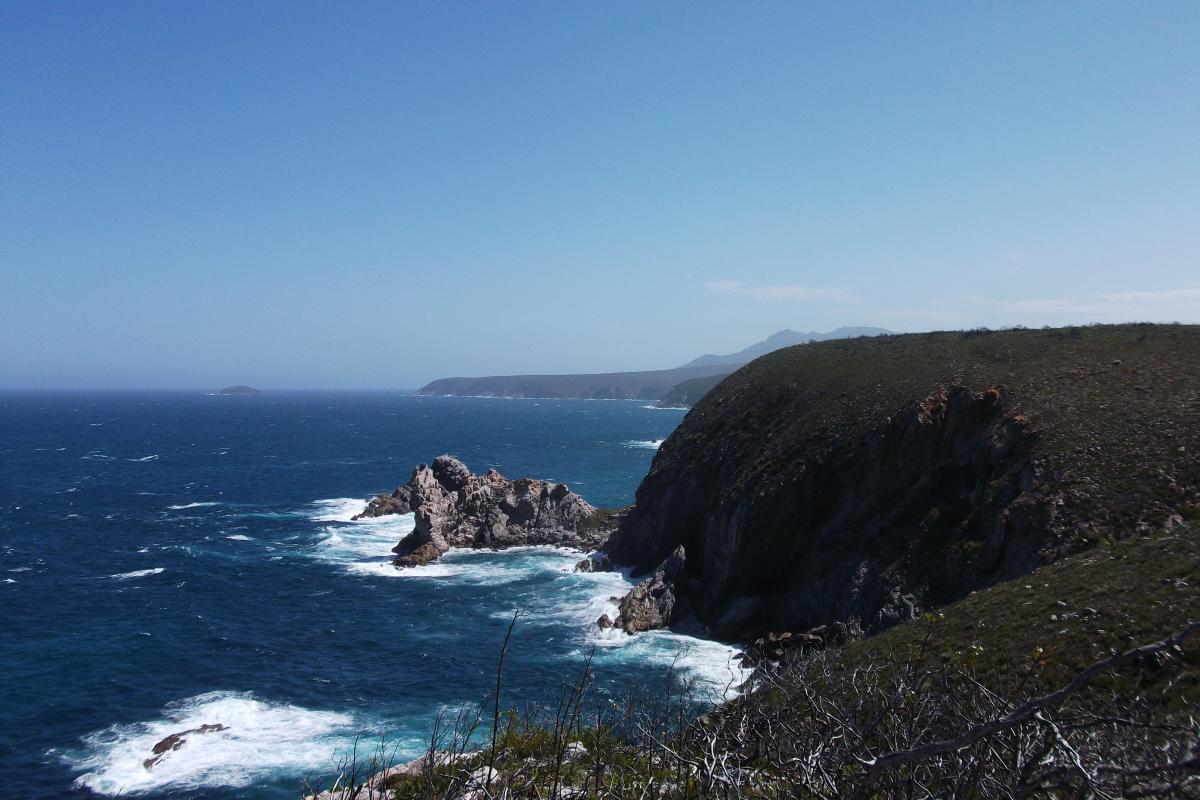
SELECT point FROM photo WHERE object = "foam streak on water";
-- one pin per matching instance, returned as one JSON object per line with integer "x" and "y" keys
{"x": 137, "y": 573}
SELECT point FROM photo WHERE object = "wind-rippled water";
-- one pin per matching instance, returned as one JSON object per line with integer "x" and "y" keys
{"x": 173, "y": 560}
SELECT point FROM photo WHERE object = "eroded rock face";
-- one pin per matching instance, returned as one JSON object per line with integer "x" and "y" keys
{"x": 452, "y": 507}
{"x": 653, "y": 603}
{"x": 863, "y": 531}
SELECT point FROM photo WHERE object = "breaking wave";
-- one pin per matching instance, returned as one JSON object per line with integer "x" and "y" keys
{"x": 260, "y": 739}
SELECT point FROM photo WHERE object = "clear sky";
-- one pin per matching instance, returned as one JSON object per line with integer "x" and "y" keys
{"x": 318, "y": 195}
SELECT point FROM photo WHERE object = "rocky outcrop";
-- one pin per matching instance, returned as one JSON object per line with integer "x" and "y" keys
{"x": 595, "y": 562}
{"x": 653, "y": 603}
{"x": 452, "y": 507}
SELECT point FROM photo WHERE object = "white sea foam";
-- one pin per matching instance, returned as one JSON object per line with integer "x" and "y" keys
{"x": 360, "y": 546}
{"x": 204, "y": 504}
{"x": 706, "y": 665}
{"x": 240, "y": 537}
{"x": 139, "y": 573}
{"x": 261, "y": 739}
{"x": 644, "y": 444}
{"x": 153, "y": 457}
{"x": 339, "y": 509}
{"x": 577, "y": 600}
{"x": 385, "y": 569}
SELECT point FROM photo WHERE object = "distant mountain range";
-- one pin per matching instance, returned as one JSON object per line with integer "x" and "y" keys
{"x": 784, "y": 338}
{"x": 681, "y": 386}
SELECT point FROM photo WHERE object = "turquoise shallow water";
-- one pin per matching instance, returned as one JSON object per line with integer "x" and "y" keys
{"x": 172, "y": 560}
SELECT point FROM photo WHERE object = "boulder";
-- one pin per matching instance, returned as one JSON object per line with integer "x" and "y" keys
{"x": 575, "y": 751}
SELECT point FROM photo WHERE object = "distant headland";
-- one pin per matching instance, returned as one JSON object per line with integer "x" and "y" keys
{"x": 681, "y": 386}
{"x": 240, "y": 390}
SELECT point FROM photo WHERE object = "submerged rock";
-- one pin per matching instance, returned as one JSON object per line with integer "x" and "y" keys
{"x": 176, "y": 740}
{"x": 452, "y": 507}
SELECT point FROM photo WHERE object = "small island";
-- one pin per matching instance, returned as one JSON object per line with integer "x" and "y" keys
{"x": 240, "y": 390}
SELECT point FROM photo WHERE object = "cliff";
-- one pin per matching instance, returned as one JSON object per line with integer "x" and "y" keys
{"x": 857, "y": 483}
{"x": 649, "y": 385}
{"x": 686, "y": 394}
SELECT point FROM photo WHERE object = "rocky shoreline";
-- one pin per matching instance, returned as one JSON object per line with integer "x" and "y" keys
{"x": 454, "y": 507}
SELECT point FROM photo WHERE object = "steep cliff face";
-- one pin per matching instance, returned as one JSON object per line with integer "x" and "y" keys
{"x": 856, "y": 484}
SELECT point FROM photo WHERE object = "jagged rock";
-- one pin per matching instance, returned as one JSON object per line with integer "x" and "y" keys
{"x": 451, "y": 473}
{"x": 597, "y": 562}
{"x": 398, "y": 502}
{"x": 452, "y": 507}
{"x": 775, "y": 647}
{"x": 604, "y": 623}
{"x": 575, "y": 751}
{"x": 176, "y": 740}
{"x": 653, "y": 603}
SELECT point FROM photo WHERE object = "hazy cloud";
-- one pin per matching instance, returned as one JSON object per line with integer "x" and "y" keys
{"x": 1168, "y": 305}
{"x": 781, "y": 292}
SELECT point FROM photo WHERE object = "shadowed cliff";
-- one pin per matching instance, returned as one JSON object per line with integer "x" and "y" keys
{"x": 857, "y": 483}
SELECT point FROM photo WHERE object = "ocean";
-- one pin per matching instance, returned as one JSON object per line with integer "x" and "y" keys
{"x": 169, "y": 560}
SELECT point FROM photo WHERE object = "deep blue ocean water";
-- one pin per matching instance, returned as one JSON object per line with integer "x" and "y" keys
{"x": 174, "y": 559}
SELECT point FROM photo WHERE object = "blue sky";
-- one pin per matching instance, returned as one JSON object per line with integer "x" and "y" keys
{"x": 302, "y": 195}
